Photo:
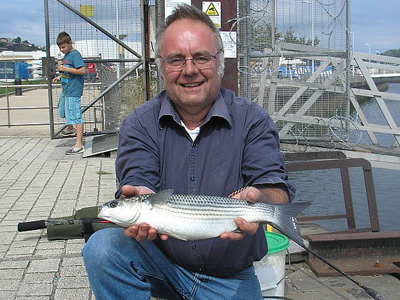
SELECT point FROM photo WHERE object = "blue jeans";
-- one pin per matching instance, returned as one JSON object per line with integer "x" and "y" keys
{"x": 121, "y": 268}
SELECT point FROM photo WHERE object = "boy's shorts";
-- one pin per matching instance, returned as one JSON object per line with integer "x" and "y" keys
{"x": 61, "y": 106}
{"x": 71, "y": 109}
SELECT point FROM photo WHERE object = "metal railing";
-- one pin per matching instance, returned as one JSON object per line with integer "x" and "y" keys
{"x": 9, "y": 108}
{"x": 337, "y": 160}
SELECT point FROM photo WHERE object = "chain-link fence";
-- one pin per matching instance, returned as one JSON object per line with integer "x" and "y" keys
{"x": 294, "y": 57}
{"x": 108, "y": 34}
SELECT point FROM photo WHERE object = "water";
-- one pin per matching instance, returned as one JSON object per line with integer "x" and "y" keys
{"x": 374, "y": 115}
{"x": 324, "y": 189}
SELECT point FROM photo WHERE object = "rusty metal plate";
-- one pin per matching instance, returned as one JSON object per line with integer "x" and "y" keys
{"x": 365, "y": 253}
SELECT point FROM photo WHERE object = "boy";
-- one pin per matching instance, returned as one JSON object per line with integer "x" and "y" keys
{"x": 72, "y": 70}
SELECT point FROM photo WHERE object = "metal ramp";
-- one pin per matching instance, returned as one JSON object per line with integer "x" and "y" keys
{"x": 101, "y": 144}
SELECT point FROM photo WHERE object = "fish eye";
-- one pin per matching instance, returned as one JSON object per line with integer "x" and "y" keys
{"x": 113, "y": 204}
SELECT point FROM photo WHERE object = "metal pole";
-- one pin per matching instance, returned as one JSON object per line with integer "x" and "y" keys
{"x": 144, "y": 12}
{"x": 49, "y": 79}
{"x": 312, "y": 3}
{"x": 117, "y": 34}
{"x": 348, "y": 64}
{"x": 8, "y": 97}
{"x": 159, "y": 20}
{"x": 273, "y": 25}
{"x": 244, "y": 32}
{"x": 312, "y": 32}
{"x": 369, "y": 48}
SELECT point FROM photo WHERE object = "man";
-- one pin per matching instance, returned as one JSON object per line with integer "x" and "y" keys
{"x": 196, "y": 138}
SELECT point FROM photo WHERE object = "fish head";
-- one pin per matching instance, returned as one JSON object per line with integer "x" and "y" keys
{"x": 123, "y": 212}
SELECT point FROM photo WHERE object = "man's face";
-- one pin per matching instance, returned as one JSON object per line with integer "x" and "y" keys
{"x": 192, "y": 90}
{"x": 65, "y": 47}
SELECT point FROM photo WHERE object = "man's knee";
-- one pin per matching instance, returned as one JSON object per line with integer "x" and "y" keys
{"x": 100, "y": 246}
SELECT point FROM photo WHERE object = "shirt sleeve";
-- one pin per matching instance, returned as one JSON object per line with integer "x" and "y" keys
{"x": 137, "y": 162}
{"x": 78, "y": 60}
{"x": 263, "y": 162}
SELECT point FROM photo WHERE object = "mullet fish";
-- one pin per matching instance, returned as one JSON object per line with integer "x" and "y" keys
{"x": 194, "y": 217}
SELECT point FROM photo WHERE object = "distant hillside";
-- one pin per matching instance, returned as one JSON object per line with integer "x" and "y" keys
{"x": 6, "y": 44}
{"x": 392, "y": 52}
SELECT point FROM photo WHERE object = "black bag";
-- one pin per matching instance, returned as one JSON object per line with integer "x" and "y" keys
{"x": 81, "y": 225}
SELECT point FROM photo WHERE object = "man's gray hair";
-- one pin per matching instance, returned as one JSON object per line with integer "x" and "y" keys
{"x": 184, "y": 11}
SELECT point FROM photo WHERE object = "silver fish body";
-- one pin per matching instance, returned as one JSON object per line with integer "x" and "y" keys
{"x": 193, "y": 217}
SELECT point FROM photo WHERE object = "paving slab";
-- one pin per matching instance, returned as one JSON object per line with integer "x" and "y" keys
{"x": 38, "y": 181}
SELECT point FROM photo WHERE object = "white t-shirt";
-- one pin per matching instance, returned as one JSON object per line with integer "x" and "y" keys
{"x": 192, "y": 132}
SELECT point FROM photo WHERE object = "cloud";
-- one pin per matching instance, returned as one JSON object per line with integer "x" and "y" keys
{"x": 375, "y": 23}
{"x": 23, "y": 18}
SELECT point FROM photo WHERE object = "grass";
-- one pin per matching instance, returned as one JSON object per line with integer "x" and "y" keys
{"x": 101, "y": 172}
{"x": 11, "y": 89}
{"x": 133, "y": 93}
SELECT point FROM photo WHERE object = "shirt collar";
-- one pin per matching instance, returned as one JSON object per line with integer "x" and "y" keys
{"x": 217, "y": 110}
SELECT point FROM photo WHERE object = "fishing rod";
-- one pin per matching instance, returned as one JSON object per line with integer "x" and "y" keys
{"x": 371, "y": 292}
{"x": 80, "y": 222}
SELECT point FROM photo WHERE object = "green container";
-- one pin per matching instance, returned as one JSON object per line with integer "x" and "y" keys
{"x": 276, "y": 242}
{"x": 270, "y": 270}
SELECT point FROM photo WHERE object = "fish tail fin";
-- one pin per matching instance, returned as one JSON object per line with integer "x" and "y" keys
{"x": 286, "y": 221}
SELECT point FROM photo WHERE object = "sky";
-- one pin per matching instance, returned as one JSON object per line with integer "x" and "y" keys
{"x": 373, "y": 22}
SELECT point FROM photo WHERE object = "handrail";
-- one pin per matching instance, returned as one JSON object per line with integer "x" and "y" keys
{"x": 337, "y": 160}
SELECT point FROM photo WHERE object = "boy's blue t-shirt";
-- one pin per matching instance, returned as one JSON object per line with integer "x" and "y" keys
{"x": 72, "y": 84}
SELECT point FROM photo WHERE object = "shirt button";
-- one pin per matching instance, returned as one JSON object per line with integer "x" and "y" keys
{"x": 192, "y": 178}
{"x": 194, "y": 247}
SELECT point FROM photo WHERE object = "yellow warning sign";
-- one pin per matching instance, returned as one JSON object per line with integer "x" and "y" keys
{"x": 211, "y": 10}
{"x": 87, "y": 10}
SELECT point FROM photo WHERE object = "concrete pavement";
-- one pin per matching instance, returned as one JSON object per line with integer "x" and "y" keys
{"x": 37, "y": 181}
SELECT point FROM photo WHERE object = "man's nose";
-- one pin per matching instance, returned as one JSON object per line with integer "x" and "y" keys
{"x": 189, "y": 66}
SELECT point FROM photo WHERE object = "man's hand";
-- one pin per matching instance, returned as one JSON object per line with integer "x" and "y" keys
{"x": 143, "y": 231}
{"x": 250, "y": 194}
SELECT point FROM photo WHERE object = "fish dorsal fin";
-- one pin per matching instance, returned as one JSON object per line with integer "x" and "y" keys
{"x": 159, "y": 197}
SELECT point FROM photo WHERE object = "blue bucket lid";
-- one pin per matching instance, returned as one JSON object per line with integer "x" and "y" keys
{"x": 276, "y": 242}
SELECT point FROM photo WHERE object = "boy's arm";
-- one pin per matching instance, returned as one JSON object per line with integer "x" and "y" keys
{"x": 57, "y": 78}
{"x": 78, "y": 71}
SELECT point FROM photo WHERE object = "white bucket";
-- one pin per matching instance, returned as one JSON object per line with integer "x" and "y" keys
{"x": 270, "y": 270}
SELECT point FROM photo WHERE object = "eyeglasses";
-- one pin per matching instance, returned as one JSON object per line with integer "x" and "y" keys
{"x": 203, "y": 61}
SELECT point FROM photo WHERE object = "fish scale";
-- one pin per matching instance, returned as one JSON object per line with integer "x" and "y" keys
{"x": 193, "y": 217}
{"x": 214, "y": 207}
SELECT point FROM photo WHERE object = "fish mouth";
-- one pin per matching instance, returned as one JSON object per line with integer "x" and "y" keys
{"x": 100, "y": 213}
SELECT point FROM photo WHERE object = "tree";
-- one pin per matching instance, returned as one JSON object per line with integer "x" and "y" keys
{"x": 290, "y": 37}
{"x": 392, "y": 52}
{"x": 261, "y": 36}
{"x": 17, "y": 40}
